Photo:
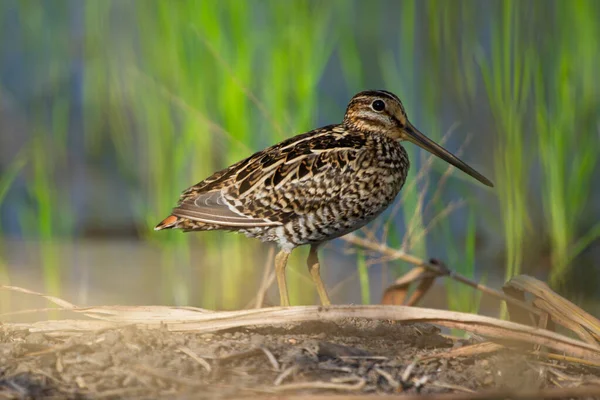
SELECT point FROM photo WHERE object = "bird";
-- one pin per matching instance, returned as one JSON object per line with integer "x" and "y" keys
{"x": 313, "y": 187}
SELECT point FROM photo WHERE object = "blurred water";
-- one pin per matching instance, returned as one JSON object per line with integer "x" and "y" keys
{"x": 129, "y": 272}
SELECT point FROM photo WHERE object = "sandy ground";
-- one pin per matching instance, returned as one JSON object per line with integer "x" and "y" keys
{"x": 349, "y": 357}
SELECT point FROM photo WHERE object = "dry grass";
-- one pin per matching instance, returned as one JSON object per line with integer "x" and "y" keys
{"x": 543, "y": 344}
{"x": 189, "y": 319}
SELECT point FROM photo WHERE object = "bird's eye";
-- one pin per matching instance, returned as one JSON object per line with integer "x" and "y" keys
{"x": 378, "y": 105}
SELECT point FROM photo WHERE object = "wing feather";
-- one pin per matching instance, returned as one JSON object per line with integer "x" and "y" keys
{"x": 269, "y": 188}
{"x": 212, "y": 208}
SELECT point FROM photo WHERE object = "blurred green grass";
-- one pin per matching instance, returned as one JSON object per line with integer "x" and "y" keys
{"x": 174, "y": 91}
{"x": 507, "y": 76}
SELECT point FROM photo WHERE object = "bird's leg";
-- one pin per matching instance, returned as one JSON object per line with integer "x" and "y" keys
{"x": 280, "y": 263}
{"x": 315, "y": 272}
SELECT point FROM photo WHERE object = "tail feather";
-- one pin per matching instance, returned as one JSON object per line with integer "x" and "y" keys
{"x": 187, "y": 225}
{"x": 167, "y": 223}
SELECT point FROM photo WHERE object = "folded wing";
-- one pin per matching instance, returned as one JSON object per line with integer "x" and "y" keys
{"x": 212, "y": 208}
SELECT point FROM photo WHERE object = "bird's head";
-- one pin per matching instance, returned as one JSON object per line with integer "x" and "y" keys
{"x": 381, "y": 112}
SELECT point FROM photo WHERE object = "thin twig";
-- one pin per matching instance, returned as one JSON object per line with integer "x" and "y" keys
{"x": 271, "y": 358}
{"x": 242, "y": 354}
{"x": 251, "y": 353}
{"x": 400, "y": 255}
{"x": 449, "y": 170}
{"x": 415, "y": 220}
{"x": 196, "y": 358}
{"x": 452, "y": 206}
{"x": 450, "y": 386}
{"x": 408, "y": 371}
{"x": 381, "y": 358}
{"x": 358, "y": 385}
{"x": 568, "y": 359}
{"x": 346, "y": 370}
{"x": 32, "y": 311}
{"x": 388, "y": 377}
{"x": 287, "y": 372}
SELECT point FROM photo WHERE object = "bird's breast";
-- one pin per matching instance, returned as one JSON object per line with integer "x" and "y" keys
{"x": 341, "y": 201}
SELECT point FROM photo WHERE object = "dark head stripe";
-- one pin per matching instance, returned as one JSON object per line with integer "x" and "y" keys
{"x": 369, "y": 94}
{"x": 388, "y": 94}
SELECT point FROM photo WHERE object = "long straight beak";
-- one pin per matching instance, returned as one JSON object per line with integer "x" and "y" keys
{"x": 413, "y": 135}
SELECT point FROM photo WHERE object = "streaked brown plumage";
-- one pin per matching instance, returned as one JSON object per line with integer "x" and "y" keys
{"x": 312, "y": 187}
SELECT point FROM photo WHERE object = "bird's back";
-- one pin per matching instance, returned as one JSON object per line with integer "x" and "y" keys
{"x": 306, "y": 189}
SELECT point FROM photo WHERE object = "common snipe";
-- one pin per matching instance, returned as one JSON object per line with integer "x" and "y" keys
{"x": 313, "y": 187}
